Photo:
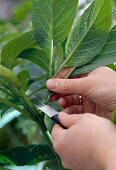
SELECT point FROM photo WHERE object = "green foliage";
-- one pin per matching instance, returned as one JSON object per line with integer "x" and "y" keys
{"x": 26, "y": 155}
{"x": 23, "y": 77}
{"x": 105, "y": 57}
{"x": 59, "y": 56}
{"x": 82, "y": 45}
{"x": 52, "y": 21}
{"x": 58, "y": 40}
{"x": 37, "y": 56}
{"x": 9, "y": 76}
{"x": 15, "y": 47}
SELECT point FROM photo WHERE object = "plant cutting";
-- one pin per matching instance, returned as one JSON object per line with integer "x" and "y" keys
{"x": 56, "y": 42}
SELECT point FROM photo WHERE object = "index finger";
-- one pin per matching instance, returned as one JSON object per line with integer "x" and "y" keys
{"x": 62, "y": 74}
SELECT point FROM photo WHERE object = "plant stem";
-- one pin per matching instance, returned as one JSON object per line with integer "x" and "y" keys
{"x": 70, "y": 72}
{"x": 37, "y": 90}
{"x": 6, "y": 86}
{"x": 48, "y": 136}
{"x": 51, "y": 52}
{"x": 15, "y": 107}
{"x": 8, "y": 93}
{"x": 51, "y": 56}
{"x": 28, "y": 101}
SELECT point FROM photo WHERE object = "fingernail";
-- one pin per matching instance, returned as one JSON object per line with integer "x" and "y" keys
{"x": 52, "y": 84}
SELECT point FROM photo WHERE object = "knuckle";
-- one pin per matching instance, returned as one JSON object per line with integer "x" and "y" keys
{"x": 66, "y": 85}
{"x": 90, "y": 86}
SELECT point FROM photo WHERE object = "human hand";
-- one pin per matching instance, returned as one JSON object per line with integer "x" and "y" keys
{"x": 89, "y": 143}
{"x": 98, "y": 90}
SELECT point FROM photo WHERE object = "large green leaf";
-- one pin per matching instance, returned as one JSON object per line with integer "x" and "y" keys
{"x": 15, "y": 47}
{"x": 37, "y": 56}
{"x": 52, "y": 20}
{"x": 89, "y": 34}
{"x": 26, "y": 155}
{"x": 105, "y": 57}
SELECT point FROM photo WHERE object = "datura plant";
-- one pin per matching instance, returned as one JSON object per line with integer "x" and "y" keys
{"x": 59, "y": 40}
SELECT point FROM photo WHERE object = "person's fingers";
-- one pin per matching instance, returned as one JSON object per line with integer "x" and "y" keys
{"x": 68, "y": 120}
{"x": 54, "y": 97}
{"x": 62, "y": 102}
{"x": 75, "y": 109}
{"x": 56, "y": 132}
{"x": 70, "y": 100}
{"x": 69, "y": 86}
{"x": 89, "y": 106}
{"x": 62, "y": 74}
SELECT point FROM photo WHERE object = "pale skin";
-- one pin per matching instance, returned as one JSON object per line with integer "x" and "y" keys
{"x": 89, "y": 142}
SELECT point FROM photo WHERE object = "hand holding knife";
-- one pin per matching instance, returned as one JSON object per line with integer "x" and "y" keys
{"x": 51, "y": 112}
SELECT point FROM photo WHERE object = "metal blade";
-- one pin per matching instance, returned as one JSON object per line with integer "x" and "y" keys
{"x": 44, "y": 108}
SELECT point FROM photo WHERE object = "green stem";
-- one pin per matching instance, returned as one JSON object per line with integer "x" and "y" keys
{"x": 51, "y": 56}
{"x": 15, "y": 107}
{"x": 37, "y": 90}
{"x": 70, "y": 72}
{"x": 28, "y": 101}
{"x": 8, "y": 93}
{"x": 51, "y": 52}
{"x": 6, "y": 86}
{"x": 48, "y": 136}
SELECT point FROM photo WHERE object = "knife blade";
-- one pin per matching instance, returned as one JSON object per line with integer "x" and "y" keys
{"x": 51, "y": 112}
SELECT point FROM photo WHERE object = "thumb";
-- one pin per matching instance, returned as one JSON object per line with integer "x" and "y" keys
{"x": 69, "y": 86}
{"x": 68, "y": 120}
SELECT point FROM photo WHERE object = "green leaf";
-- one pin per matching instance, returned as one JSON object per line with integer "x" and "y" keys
{"x": 26, "y": 155}
{"x": 105, "y": 57}
{"x": 112, "y": 66}
{"x": 48, "y": 168}
{"x": 114, "y": 116}
{"x": 3, "y": 168}
{"x": 16, "y": 63}
{"x": 52, "y": 20}
{"x": 37, "y": 56}
{"x": 15, "y": 47}
{"x": 4, "y": 110}
{"x": 6, "y": 37}
{"x": 35, "y": 79}
{"x": 59, "y": 56}
{"x": 9, "y": 76}
{"x": 23, "y": 77}
{"x": 89, "y": 34}
{"x": 8, "y": 117}
{"x": 64, "y": 13}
